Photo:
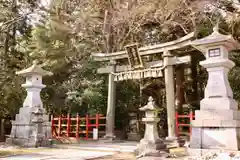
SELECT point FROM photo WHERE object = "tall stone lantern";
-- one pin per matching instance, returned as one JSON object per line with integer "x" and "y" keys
{"x": 31, "y": 127}
{"x": 151, "y": 144}
{"x": 217, "y": 123}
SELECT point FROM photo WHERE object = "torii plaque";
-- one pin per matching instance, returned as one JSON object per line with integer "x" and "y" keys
{"x": 134, "y": 58}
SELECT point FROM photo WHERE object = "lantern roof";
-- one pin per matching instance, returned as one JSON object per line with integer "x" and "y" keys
{"x": 214, "y": 39}
{"x": 150, "y": 106}
{"x": 34, "y": 69}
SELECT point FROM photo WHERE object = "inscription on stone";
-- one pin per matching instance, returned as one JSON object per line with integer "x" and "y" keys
{"x": 214, "y": 85}
{"x": 214, "y": 52}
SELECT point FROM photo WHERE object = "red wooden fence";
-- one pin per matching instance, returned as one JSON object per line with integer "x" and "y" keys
{"x": 77, "y": 127}
{"x": 82, "y": 127}
{"x": 180, "y": 124}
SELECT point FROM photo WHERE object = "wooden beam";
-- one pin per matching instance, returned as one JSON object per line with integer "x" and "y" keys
{"x": 148, "y": 50}
{"x": 153, "y": 64}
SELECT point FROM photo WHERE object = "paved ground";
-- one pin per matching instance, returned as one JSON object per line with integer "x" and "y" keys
{"x": 59, "y": 154}
{"x": 82, "y": 151}
{"x": 70, "y": 152}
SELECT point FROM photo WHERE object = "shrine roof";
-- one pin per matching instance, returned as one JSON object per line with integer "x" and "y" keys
{"x": 148, "y": 50}
{"x": 34, "y": 69}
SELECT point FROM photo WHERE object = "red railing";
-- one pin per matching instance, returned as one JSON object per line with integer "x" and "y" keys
{"x": 180, "y": 124}
{"x": 77, "y": 127}
{"x": 82, "y": 127}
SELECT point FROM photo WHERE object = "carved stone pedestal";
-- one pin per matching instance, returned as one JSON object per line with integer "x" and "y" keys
{"x": 151, "y": 144}
{"x": 31, "y": 127}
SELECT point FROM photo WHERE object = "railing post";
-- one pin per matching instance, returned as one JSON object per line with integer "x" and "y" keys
{"x": 68, "y": 124}
{"x": 59, "y": 125}
{"x": 97, "y": 120}
{"x": 87, "y": 126}
{"x": 177, "y": 127}
{"x": 77, "y": 126}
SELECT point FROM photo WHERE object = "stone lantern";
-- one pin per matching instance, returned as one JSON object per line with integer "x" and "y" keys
{"x": 217, "y": 123}
{"x": 151, "y": 144}
{"x": 31, "y": 127}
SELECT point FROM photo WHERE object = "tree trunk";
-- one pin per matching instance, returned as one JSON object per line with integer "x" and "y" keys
{"x": 194, "y": 77}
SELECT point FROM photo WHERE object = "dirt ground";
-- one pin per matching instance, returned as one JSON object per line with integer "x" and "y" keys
{"x": 4, "y": 153}
{"x": 118, "y": 156}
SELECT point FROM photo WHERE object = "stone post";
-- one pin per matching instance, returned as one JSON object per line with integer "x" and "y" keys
{"x": 151, "y": 144}
{"x": 217, "y": 123}
{"x": 31, "y": 127}
{"x": 170, "y": 94}
{"x": 133, "y": 134}
{"x": 110, "y": 116}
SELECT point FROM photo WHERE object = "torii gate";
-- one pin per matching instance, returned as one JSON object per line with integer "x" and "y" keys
{"x": 143, "y": 70}
{"x": 217, "y": 123}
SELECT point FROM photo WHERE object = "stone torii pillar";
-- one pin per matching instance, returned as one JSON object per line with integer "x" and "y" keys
{"x": 31, "y": 127}
{"x": 169, "y": 61}
{"x": 217, "y": 123}
{"x": 110, "y": 116}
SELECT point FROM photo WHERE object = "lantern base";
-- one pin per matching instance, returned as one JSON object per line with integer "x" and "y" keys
{"x": 23, "y": 142}
{"x": 31, "y": 128}
{"x": 149, "y": 148}
{"x": 30, "y": 135}
{"x": 212, "y": 138}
